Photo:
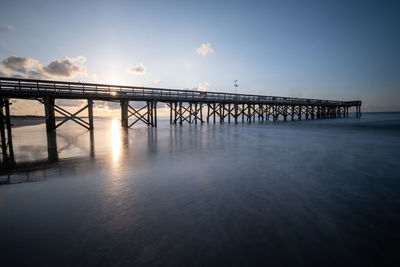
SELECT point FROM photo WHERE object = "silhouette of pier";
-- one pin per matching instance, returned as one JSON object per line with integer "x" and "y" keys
{"x": 185, "y": 106}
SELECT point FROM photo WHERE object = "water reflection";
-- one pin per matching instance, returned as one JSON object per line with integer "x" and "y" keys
{"x": 52, "y": 147}
{"x": 115, "y": 141}
{"x": 35, "y": 167}
{"x": 72, "y": 148}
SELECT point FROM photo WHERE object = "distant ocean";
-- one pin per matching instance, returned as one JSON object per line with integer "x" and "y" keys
{"x": 302, "y": 193}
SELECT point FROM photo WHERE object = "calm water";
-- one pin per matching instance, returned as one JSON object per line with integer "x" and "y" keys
{"x": 299, "y": 193}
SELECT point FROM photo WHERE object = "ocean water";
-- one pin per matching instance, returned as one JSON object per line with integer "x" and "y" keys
{"x": 303, "y": 193}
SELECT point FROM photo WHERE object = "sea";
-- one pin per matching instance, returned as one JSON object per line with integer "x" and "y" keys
{"x": 301, "y": 193}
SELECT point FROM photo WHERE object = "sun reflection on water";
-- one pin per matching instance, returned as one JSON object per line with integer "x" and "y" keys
{"x": 115, "y": 140}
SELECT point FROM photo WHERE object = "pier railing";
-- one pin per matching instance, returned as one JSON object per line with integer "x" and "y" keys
{"x": 38, "y": 88}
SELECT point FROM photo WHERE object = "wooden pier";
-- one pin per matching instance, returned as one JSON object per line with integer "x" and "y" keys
{"x": 185, "y": 106}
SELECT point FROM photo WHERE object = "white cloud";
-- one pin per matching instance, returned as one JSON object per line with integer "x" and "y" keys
{"x": 205, "y": 49}
{"x": 157, "y": 81}
{"x": 202, "y": 86}
{"x": 138, "y": 70}
{"x": 19, "y": 64}
{"x": 6, "y": 28}
{"x": 25, "y": 67}
{"x": 66, "y": 68}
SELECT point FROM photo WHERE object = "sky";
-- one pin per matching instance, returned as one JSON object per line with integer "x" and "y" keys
{"x": 344, "y": 50}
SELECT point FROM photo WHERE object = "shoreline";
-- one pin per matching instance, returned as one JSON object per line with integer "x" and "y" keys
{"x": 26, "y": 121}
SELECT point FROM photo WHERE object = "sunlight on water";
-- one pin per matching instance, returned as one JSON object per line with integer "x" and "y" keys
{"x": 115, "y": 141}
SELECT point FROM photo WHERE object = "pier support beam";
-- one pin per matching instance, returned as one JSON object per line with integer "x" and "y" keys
{"x": 285, "y": 112}
{"x": 236, "y": 107}
{"x": 147, "y": 114}
{"x": 170, "y": 112}
{"x": 292, "y": 113}
{"x": 49, "y": 113}
{"x": 213, "y": 110}
{"x": 124, "y": 113}
{"x": 90, "y": 113}
{"x": 307, "y": 111}
{"x": 358, "y": 111}
{"x": 6, "y": 134}
{"x": 154, "y": 113}
{"x": 50, "y": 108}
{"x": 189, "y": 113}
{"x": 299, "y": 113}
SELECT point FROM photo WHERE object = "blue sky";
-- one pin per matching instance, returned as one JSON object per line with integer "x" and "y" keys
{"x": 319, "y": 49}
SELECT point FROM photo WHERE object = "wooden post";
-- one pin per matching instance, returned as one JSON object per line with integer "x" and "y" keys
{"x": 124, "y": 113}
{"x": 307, "y": 112}
{"x": 90, "y": 113}
{"x": 3, "y": 133}
{"x": 243, "y": 112}
{"x": 229, "y": 113}
{"x": 285, "y": 113}
{"x": 214, "y": 111}
{"x": 176, "y": 112}
{"x": 236, "y": 112}
{"x": 155, "y": 113}
{"x": 262, "y": 113}
{"x": 190, "y": 112}
{"x": 300, "y": 112}
{"x": 208, "y": 112}
{"x": 312, "y": 112}
{"x": 195, "y": 112}
{"x": 150, "y": 113}
{"x": 221, "y": 119}
{"x": 248, "y": 112}
{"x": 9, "y": 133}
{"x": 180, "y": 113}
{"x": 201, "y": 113}
{"x": 170, "y": 113}
{"x": 274, "y": 113}
{"x": 49, "y": 112}
{"x": 254, "y": 112}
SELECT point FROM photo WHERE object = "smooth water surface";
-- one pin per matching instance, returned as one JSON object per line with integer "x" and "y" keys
{"x": 321, "y": 192}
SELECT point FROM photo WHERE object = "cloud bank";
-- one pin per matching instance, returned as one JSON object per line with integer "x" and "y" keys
{"x": 25, "y": 67}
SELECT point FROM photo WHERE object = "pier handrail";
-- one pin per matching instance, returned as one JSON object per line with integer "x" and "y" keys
{"x": 114, "y": 92}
